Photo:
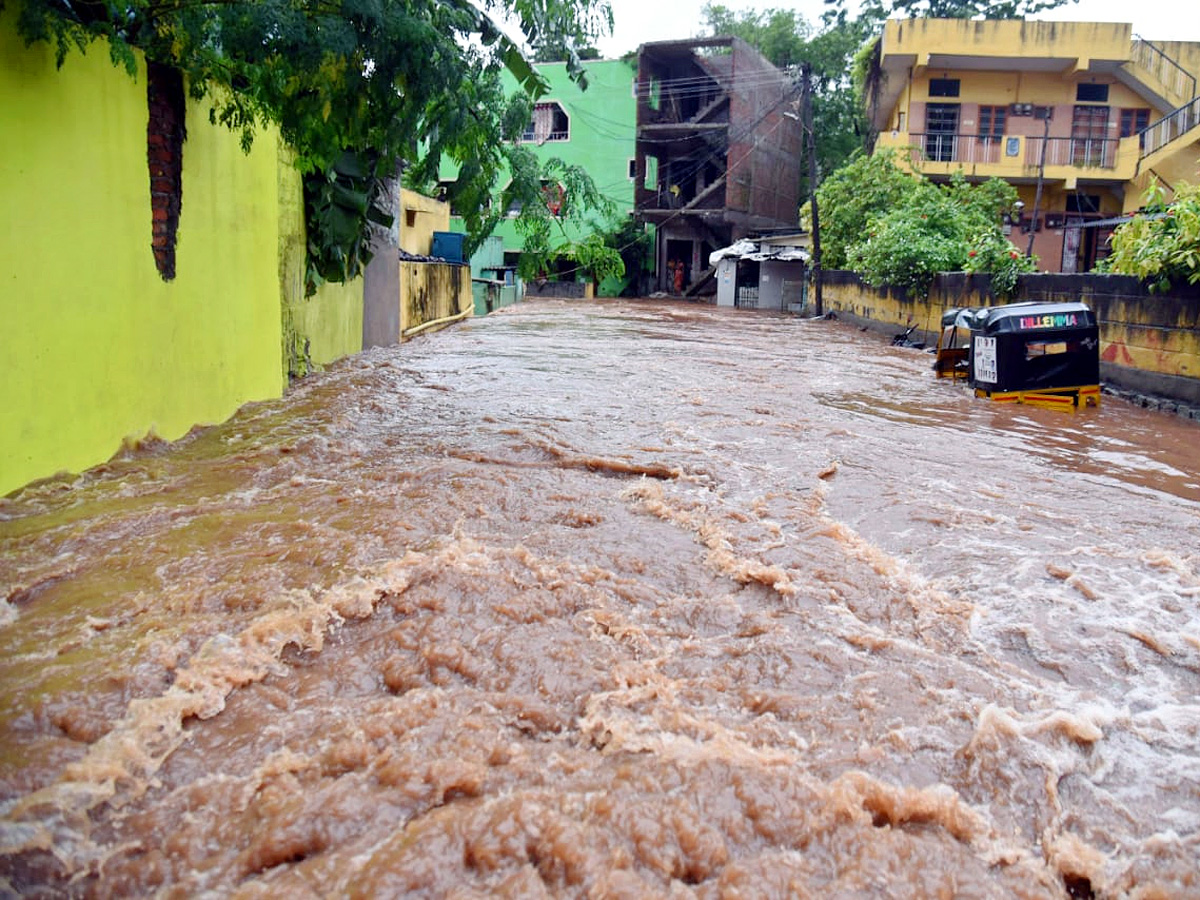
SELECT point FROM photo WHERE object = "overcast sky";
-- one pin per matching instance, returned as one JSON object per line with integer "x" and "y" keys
{"x": 660, "y": 20}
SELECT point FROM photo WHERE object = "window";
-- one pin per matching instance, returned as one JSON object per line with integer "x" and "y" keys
{"x": 991, "y": 123}
{"x": 554, "y": 195}
{"x": 633, "y": 170}
{"x": 1134, "y": 121}
{"x": 941, "y": 127}
{"x": 550, "y": 123}
{"x": 445, "y": 189}
{"x": 1091, "y": 93}
{"x": 943, "y": 87}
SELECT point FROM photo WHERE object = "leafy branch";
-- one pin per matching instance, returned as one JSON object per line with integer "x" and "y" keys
{"x": 353, "y": 85}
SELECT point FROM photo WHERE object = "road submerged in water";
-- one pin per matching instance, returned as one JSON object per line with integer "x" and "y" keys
{"x": 618, "y": 599}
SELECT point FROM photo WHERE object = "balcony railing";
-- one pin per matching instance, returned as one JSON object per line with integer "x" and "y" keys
{"x": 959, "y": 148}
{"x": 1092, "y": 153}
{"x": 1158, "y": 134}
{"x": 1099, "y": 153}
{"x": 530, "y": 136}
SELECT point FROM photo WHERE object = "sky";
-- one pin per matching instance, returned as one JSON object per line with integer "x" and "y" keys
{"x": 637, "y": 21}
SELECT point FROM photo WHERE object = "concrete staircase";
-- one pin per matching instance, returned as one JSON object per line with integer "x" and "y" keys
{"x": 1169, "y": 144}
{"x": 1169, "y": 150}
{"x": 1155, "y": 76}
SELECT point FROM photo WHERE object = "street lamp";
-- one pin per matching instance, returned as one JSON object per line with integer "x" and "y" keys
{"x": 1013, "y": 217}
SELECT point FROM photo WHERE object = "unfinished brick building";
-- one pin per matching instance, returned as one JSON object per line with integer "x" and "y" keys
{"x": 718, "y": 152}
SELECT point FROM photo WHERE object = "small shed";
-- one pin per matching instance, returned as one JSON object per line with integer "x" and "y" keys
{"x": 764, "y": 272}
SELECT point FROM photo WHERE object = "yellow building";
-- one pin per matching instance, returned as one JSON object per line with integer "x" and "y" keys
{"x": 1086, "y": 109}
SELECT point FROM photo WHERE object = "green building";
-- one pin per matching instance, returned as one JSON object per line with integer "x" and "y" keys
{"x": 595, "y": 129}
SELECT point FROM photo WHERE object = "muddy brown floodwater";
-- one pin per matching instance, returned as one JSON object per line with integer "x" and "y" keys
{"x": 609, "y": 600}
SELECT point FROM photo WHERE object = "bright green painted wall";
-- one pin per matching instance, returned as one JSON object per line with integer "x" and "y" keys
{"x": 603, "y": 132}
{"x": 94, "y": 346}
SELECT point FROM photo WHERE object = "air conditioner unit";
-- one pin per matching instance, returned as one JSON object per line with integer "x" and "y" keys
{"x": 1021, "y": 109}
{"x": 1043, "y": 112}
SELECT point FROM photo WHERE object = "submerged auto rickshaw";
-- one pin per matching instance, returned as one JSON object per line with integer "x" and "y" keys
{"x": 1042, "y": 354}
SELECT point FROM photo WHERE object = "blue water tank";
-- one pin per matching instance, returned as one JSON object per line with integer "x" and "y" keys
{"x": 448, "y": 245}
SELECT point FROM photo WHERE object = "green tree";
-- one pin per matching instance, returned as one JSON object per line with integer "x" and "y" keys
{"x": 1161, "y": 244}
{"x": 864, "y": 188}
{"x": 778, "y": 34}
{"x": 550, "y": 196}
{"x": 896, "y": 227}
{"x": 563, "y": 41}
{"x": 353, "y": 85}
{"x": 879, "y": 10}
{"x": 635, "y": 245}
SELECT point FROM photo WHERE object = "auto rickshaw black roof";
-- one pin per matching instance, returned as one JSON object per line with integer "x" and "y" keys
{"x": 1032, "y": 317}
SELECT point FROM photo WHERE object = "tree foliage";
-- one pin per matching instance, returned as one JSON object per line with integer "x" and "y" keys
{"x": 780, "y": 35}
{"x": 1161, "y": 244}
{"x": 635, "y": 245}
{"x": 879, "y": 10}
{"x": 898, "y": 228}
{"x": 864, "y": 188}
{"x": 551, "y": 195}
{"x": 353, "y": 85}
{"x": 563, "y": 41}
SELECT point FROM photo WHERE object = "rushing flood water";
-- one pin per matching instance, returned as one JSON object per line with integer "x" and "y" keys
{"x": 613, "y": 600}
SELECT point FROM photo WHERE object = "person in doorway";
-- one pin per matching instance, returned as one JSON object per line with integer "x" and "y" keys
{"x": 678, "y": 278}
{"x": 671, "y": 268}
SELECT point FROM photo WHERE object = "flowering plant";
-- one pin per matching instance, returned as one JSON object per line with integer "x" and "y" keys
{"x": 995, "y": 255}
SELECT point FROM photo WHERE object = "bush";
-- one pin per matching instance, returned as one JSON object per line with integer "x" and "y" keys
{"x": 1160, "y": 245}
{"x": 866, "y": 187}
{"x": 995, "y": 255}
{"x": 935, "y": 229}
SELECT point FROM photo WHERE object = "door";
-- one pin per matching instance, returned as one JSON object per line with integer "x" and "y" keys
{"x": 1089, "y": 134}
{"x": 941, "y": 131}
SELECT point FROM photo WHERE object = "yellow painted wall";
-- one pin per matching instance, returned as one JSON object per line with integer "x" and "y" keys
{"x": 429, "y": 292}
{"x": 1007, "y": 38}
{"x": 328, "y": 325}
{"x": 420, "y": 217}
{"x": 331, "y": 320}
{"x": 95, "y": 347}
{"x": 1160, "y": 335}
{"x": 433, "y": 292}
{"x": 1186, "y": 53}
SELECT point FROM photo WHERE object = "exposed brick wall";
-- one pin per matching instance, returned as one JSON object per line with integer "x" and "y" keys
{"x": 165, "y": 134}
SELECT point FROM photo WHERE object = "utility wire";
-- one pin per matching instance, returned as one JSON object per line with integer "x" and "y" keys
{"x": 730, "y": 168}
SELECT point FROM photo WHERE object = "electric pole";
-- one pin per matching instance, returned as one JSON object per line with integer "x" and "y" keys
{"x": 810, "y": 149}
{"x": 1037, "y": 196}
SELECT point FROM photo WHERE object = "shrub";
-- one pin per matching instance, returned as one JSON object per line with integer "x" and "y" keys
{"x": 1160, "y": 245}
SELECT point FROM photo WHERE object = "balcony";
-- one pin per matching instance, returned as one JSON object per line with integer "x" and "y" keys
{"x": 957, "y": 148}
{"x": 1083, "y": 153}
{"x": 1018, "y": 157}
